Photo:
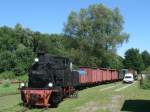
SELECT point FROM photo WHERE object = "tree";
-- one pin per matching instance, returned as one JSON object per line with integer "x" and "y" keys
{"x": 111, "y": 60}
{"x": 133, "y": 60}
{"x": 146, "y": 58}
{"x": 98, "y": 30}
{"x": 15, "y": 53}
{"x": 7, "y": 62}
{"x": 23, "y": 61}
{"x": 97, "y": 24}
{"x": 23, "y": 36}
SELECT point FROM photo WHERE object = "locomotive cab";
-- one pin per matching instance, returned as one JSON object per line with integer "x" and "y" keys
{"x": 49, "y": 72}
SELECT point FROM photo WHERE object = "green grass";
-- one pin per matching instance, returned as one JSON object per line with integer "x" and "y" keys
{"x": 90, "y": 100}
{"x": 10, "y": 103}
{"x": 10, "y": 89}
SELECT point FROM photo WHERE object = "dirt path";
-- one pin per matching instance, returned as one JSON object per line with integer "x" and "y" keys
{"x": 114, "y": 105}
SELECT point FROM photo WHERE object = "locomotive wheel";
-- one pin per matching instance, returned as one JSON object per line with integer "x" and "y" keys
{"x": 57, "y": 97}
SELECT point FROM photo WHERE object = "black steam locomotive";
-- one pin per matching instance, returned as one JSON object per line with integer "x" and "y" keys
{"x": 50, "y": 76}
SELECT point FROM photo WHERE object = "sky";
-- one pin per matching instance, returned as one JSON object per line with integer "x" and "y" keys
{"x": 49, "y": 16}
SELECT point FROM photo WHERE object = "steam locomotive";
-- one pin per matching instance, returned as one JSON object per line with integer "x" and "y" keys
{"x": 52, "y": 78}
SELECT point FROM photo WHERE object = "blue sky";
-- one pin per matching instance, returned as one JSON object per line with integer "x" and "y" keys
{"x": 48, "y": 16}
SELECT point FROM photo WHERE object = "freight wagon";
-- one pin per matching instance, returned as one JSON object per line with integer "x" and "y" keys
{"x": 90, "y": 76}
{"x": 51, "y": 79}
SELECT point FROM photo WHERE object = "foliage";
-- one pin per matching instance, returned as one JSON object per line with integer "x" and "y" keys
{"x": 22, "y": 78}
{"x": 146, "y": 83}
{"x": 23, "y": 61}
{"x": 147, "y": 70}
{"x": 146, "y": 58}
{"x": 15, "y": 49}
{"x": 7, "y": 61}
{"x": 7, "y": 75}
{"x": 133, "y": 60}
{"x": 98, "y": 31}
{"x": 111, "y": 60}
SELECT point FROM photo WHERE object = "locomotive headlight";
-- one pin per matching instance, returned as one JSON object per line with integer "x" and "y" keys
{"x": 36, "y": 59}
{"x": 22, "y": 84}
{"x": 50, "y": 84}
{"x": 70, "y": 66}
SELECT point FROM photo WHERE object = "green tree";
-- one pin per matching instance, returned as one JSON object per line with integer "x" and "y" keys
{"x": 133, "y": 60}
{"x": 98, "y": 30}
{"x": 146, "y": 58}
{"x": 23, "y": 36}
{"x": 7, "y": 62}
{"x": 8, "y": 41}
{"x": 24, "y": 60}
{"x": 15, "y": 53}
{"x": 97, "y": 24}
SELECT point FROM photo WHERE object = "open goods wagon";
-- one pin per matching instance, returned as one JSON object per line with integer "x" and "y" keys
{"x": 89, "y": 76}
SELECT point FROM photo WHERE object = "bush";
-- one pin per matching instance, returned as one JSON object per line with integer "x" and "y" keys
{"x": 22, "y": 78}
{"x": 7, "y": 75}
{"x": 6, "y": 83}
{"x": 146, "y": 82}
{"x": 19, "y": 71}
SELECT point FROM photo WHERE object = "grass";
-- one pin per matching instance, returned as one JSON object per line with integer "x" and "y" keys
{"x": 10, "y": 89}
{"x": 93, "y": 99}
{"x": 10, "y": 103}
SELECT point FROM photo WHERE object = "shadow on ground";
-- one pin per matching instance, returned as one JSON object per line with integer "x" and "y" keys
{"x": 136, "y": 106}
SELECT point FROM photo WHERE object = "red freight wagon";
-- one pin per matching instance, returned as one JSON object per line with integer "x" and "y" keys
{"x": 116, "y": 75}
{"x": 97, "y": 75}
{"x": 82, "y": 79}
{"x": 112, "y": 74}
{"x": 108, "y": 75}
{"x": 100, "y": 75}
{"x": 87, "y": 76}
{"x": 83, "y": 76}
{"x": 104, "y": 74}
{"x": 93, "y": 75}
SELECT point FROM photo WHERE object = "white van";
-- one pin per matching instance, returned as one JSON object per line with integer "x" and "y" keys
{"x": 128, "y": 78}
